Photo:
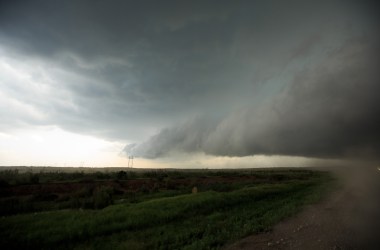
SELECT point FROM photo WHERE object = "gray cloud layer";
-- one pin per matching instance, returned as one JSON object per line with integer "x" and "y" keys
{"x": 331, "y": 110}
{"x": 250, "y": 74}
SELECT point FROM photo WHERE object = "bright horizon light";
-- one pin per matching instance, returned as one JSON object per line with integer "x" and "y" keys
{"x": 53, "y": 146}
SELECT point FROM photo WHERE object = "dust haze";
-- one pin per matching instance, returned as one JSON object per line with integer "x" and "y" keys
{"x": 355, "y": 207}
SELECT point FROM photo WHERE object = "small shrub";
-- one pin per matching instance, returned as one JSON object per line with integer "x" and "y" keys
{"x": 34, "y": 179}
{"x": 144, "y": 189}
{"x": 102, "y": 197}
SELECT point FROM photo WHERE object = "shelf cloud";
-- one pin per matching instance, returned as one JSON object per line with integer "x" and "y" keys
{"x": 330, "y": 110}
{"x": 224, "y": 78}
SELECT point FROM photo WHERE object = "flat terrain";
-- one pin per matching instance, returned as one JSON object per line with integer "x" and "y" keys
{"x": 349, "y": 218}
{"x": 155, "y": 209}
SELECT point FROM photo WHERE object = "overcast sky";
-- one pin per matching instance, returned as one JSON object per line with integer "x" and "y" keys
{"x": 97, "y": 81}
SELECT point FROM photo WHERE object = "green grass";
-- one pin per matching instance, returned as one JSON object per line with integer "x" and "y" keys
{"x": 206, "y": 220}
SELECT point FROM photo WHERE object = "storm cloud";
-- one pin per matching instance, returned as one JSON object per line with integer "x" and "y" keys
{"x": 230, "y": 78}
{"x": 331, "y": 110}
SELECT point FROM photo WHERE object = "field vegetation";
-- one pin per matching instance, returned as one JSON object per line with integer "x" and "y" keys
{"x": 150, "y": 209}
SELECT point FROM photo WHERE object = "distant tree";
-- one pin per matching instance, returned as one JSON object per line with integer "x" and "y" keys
{"x": 122, "y": 175}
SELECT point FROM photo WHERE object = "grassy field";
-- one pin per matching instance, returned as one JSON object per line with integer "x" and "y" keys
{"x": 161, "y": 213}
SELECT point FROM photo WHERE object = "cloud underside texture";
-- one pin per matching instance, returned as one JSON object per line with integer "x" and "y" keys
{"x": 329, "y": 110}
{"x": 230, "y": 78}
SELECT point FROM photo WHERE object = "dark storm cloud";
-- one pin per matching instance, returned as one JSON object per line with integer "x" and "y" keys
{"x": 331, "y": 110}
{"x": 124, "y": 65}
{"x": 187, "y": 137}
{"x": 126, "y": 69}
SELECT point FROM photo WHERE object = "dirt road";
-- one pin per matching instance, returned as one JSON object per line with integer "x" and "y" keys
{"x": 348, "y": 218}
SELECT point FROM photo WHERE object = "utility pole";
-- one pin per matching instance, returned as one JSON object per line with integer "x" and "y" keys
{"x": 130, "y": 161}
